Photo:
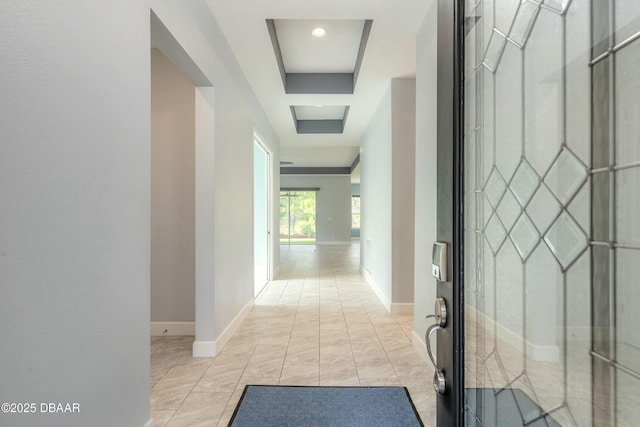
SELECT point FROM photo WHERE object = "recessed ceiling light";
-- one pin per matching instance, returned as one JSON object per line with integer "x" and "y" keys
{"x": 318, "y": 105}
{"x": 318, "y": 32}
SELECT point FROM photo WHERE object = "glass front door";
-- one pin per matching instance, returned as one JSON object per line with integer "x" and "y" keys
{"x": 551, "y": 223}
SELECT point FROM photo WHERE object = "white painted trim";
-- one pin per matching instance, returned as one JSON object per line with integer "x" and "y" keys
{"x": 543, "y": 353}
{"x": 232, "y": 327}
{"x": 401, "y": 308}
{"x": 369, "y": 279}
{"x": 420, "y": 346}
{"x": 173, "y": 328}
{"x": 333, "y": 242}
{"x": 204, "y": 349}
{"x": 149, "y": 423}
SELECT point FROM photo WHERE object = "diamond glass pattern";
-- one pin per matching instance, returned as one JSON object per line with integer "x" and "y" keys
{"x": 494, "y": 51}
{"x": 543, "y": 208}
{"x": 557, "y": 5}
{"x": 508, "y": 210}
{"x": 524, "y": 22}
{"x": 566, "y": 176}
{"x": 566, "y": 240}
{"x": 495, "y": 233}
{"x": 524, "y": 182}
{"x": 487, "y": 210}
{"x": 495, "y": 187}
{"x": 524, "y": 236}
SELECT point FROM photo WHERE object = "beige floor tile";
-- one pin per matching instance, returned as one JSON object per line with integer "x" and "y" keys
{"x": 303, "y": 356}
{"x": 200, "y": 409}
{"x": 225, "y": 418}
{"x": 161, "y": 417}
{"x": 410, "y": 375}
{"x": 380, "y": 382}
{"x": 375, "y": 370}
{"x": 339, "y": 374}
{"x": 318, "y": 323}
{"x": 219, "y": 379}
{"x": 170, "y": 398}
{"x": 304, "y": 343}
{"x": 265, "y": 368}
{"x": 335, "y": 358}
{"x": 405, "y": 356}
{"x": 181, "y": 375}
{"x": 300, "y": 375}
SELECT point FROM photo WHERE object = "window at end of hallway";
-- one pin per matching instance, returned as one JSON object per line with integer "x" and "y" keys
{"x": 355, "y": 211}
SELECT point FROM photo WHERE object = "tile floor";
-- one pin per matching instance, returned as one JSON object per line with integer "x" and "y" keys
{"x": 319, "y": 323}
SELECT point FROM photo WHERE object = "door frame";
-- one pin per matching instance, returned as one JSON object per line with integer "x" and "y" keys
{"x": 259, "y": 141}
{"x": 450, "y": 206}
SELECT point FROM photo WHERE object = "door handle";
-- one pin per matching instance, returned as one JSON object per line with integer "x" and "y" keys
{"x": 439, "y": 383}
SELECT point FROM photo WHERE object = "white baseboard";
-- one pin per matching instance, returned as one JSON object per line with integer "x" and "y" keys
{"x": 172, "y": 328}
{"x": 232, "y": 327}
{"x": 392, "y": 308}
{"x": 543, "y": 353}
{"x": 401, "y": 308}
{"x": 369, "y": 279}
{"x": 149, "y": 423}
{"x": 204, "y": 349}
{"x": 420, "y": 345}
{"x": 333, "y": 242}
{"x": 212, "y": 348}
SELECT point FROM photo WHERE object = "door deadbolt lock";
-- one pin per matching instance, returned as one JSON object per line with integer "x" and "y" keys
{"x": 440, "y": 316}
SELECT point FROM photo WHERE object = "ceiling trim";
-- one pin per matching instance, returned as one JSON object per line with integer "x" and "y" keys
{"x": 366, "y": 30}
{"x": 315, "y": 171}
{"x": 319, "y": 126}
{"x": 355, "y": 163}
{"x": 322, "y": 126}
{"x": 319, "y": 83}
{"x": 289, "y": 189}
{"x": 271, "y": 26}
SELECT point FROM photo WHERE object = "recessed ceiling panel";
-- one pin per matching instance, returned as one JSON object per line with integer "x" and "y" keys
{"x": 319, "y": 119}
{"x": 324, "y": 112}
{"x": 336, "y": 52}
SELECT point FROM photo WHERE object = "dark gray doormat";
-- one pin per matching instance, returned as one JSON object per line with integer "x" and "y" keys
{"x": 266, "y": 406}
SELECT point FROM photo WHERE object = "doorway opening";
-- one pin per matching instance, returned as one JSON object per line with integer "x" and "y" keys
{"x": 298, "y": 217}
{"x": 261, "y": 216}
{"x": 182, "y": 194}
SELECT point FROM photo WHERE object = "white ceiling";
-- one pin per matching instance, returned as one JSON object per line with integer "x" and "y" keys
{"x": 319, "y": 112}
{"x": 390, "y": 53}
{"x": 334, "y": 53}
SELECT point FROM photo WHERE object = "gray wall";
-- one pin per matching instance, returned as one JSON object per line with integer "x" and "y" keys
{"x": 403, "y": 111}
{"x": 333, "y": 204}
{"x": 387, "y": 190}
{"x": 425, "y": 188}
{"x": 172, "y": 192}
{"x": 237, "y": 115}
{"x": 75, "y": 217}
{"x": 375, "y": 189}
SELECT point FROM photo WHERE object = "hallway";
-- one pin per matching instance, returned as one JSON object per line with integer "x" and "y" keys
{"x": 319, "y": 323}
